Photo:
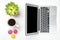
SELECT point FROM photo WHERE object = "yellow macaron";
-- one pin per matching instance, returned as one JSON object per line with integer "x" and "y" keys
{"x": 13, "y": 36}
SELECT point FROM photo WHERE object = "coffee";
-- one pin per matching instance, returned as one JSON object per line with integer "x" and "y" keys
{"x": 11, "y": 22}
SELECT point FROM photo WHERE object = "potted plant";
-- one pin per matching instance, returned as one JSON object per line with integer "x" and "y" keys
{"x": 12, "y": 9}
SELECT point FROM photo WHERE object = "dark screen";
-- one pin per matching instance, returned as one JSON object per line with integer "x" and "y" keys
{"x": 31, "y": 19}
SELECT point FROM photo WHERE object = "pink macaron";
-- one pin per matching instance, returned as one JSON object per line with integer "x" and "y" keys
{"x": 10, "y": 31}
{"x": 15, "y": 31}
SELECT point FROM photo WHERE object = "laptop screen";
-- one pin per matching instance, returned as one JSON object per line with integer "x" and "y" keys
{"x": 31, "y": 19}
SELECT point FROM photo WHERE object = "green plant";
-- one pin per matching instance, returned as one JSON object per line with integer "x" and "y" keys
{"x": 12, "y": 9}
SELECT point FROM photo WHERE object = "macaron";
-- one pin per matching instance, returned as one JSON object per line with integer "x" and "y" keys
{"x": 15, "y": 31}
{"x": 13, "y": 36}
{"x": 10, "y": 31}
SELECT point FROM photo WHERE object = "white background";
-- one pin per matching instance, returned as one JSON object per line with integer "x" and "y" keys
{"x": 4, "y": 27}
